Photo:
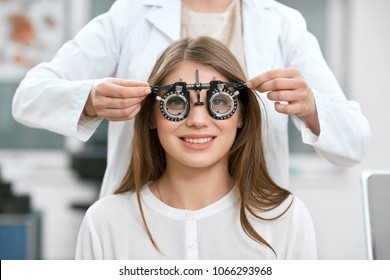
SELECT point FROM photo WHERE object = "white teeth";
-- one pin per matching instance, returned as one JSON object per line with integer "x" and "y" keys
{"x": 198, "y": 140}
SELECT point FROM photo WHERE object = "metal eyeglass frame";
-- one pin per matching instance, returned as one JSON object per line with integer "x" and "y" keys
{"x": 181, "y": 90}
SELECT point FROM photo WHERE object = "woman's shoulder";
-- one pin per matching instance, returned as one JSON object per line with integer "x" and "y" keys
{"x": 297, "y": 214}
{"x": 110, "y": 205}
{"x": 296, "y": 204}
{"x": 291, "y": 207}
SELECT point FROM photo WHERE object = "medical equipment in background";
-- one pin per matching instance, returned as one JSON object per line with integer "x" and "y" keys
{"x": 20, "y": 228}
{"x": 376, "y": 207}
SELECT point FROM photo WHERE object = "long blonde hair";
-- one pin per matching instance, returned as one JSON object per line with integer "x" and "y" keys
{"x": 246, "y": 162}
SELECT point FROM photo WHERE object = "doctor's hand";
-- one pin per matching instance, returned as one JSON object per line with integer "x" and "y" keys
{"x": 116, "y": 99}
{"x": 291, "y": 94}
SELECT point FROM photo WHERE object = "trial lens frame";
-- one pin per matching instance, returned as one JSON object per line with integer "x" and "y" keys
{"x": 181, "y": 90}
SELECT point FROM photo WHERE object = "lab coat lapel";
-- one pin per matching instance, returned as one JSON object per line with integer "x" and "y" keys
{"x": 165, "y": 16}
{"x": 262, "y": 30}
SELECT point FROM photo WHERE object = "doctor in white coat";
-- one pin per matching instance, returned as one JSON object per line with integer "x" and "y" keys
{"x": 99, "y": 73}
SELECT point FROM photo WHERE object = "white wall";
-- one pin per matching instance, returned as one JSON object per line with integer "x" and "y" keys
{"x": 370, "y": 75}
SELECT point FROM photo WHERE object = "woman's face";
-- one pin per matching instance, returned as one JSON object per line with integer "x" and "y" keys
{"x": 199, "y": 140}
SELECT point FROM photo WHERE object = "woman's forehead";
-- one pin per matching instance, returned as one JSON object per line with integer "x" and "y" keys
{"x": 186, "y": 71}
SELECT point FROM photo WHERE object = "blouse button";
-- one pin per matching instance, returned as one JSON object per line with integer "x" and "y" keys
{"x": 192, "y": 245}
{"x": 189, "y": 214}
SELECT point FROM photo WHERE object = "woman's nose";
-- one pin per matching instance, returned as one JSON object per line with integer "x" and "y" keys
{"x": 198, "y": 115}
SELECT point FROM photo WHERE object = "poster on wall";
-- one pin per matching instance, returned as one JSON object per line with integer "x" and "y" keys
{"x": 31, "y": 31}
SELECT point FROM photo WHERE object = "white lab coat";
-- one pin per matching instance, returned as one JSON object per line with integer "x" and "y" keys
{"x": 125, "y": 43}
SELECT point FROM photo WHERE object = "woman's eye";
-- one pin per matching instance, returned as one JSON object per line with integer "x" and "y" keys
{"x": 175, "y": 102}
{"x": 219, "y": 102}
{"x": 222, "y": 101}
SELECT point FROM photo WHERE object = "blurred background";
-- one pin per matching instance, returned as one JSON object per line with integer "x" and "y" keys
{"x": 45, "y": 186}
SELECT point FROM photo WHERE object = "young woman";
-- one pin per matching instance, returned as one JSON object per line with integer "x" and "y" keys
{"x": 197, "y": 186}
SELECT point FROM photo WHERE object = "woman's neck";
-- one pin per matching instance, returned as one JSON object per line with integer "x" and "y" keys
{"x": 191, "y": 188}
{"x": 207, "y": 6}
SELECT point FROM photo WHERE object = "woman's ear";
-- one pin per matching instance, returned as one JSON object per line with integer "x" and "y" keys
{"x": 240, "y": 123}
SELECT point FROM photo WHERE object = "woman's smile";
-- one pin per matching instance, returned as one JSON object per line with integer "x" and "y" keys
{"x": 201, "y": 140}
{"x": 198, "y": 142}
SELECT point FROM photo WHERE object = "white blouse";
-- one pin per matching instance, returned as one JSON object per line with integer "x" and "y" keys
{"x": 113, "y": 229}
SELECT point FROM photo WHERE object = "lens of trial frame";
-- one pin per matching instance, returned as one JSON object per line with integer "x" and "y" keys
{"x": 175, "y": 104}
{"x": 221, "y": 103}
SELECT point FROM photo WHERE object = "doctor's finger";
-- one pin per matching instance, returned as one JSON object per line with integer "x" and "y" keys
{"x": 120, "y": 114}
{"x": 258, "y": 80}
{"x": 283, "y": 84}
{"x": 115, "y": 103}
{"x": 287, "y": 95}
{"x": 293, "y": 108}
{"x": 116, "y": 91}
{"x": 110, "y": 89}
{"x": 106, "y": 82}
{"x": 129, "y": 83}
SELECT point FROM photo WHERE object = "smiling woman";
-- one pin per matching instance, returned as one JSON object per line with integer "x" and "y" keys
{"x": 200, "y": 130}
{"x": 193, "y": 175}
